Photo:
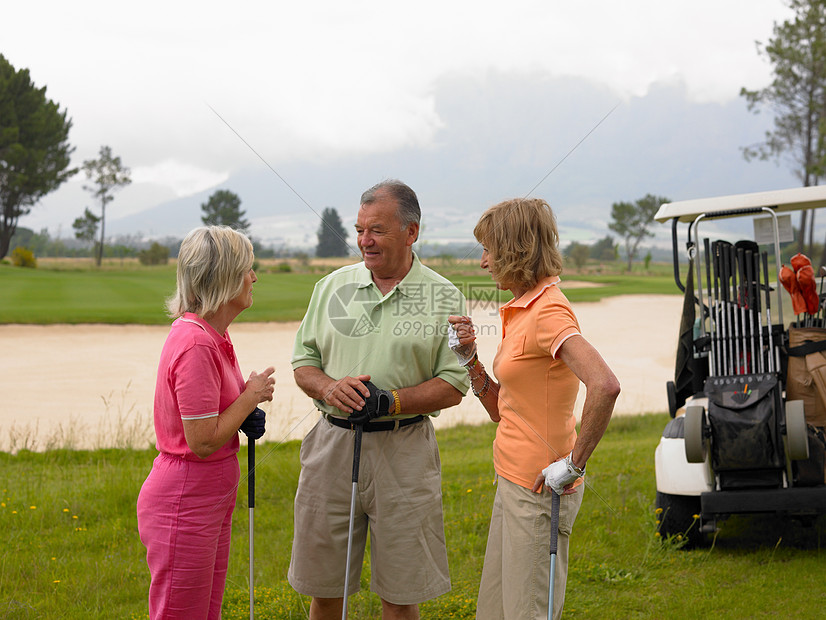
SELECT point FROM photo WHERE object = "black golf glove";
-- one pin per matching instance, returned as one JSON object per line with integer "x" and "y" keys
{"x": 253, "y": 426}
{"x": 377, "y": 404}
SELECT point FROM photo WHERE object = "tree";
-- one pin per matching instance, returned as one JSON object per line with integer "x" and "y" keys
{"x": 797, "y": 96}
{"x": 223, "y": 208}
{"x": 578, "y": 252}
{"x": 34, "y": 148}
{"x": 631, "y": 221}
{"x": 605, "y": 249}
{"x": 86, "y": 227}
{"x": 332, "y": 238}
{"x": 107, "y": 175}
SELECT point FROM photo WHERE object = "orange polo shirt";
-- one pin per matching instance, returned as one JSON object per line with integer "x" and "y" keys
{"x": 537, "y": 391}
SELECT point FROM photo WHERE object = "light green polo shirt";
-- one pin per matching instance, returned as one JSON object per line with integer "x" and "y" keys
{"x": 399, "y": 339}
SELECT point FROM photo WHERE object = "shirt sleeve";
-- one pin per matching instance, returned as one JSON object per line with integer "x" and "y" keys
{"x": 556, "y": 323}
{"x": 196, "y": 383}
{"x": 447, "y": 366}
{"x": 305, "y": 347}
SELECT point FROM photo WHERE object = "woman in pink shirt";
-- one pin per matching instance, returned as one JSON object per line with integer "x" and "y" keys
{"x": 201, "y": 402}
{"x": 539, "y": 364}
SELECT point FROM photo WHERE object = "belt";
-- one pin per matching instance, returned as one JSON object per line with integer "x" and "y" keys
{"x": 369, "y": 427}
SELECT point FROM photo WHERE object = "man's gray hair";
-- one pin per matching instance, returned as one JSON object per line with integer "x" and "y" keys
{"x": 409, "y": 211}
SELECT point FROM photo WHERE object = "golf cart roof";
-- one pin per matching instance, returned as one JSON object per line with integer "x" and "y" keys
{"x": 780, "y": 200}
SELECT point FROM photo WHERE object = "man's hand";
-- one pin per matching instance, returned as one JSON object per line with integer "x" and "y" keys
{"x": 344, "y": 394}
{"x": 376, "y": 404}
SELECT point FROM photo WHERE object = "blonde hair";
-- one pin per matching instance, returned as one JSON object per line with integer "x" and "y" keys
{"x": 212, "y": 263}
{"x": 522, "y": 241}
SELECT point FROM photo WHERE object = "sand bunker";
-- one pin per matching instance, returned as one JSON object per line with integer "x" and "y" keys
{"x": 91, "y": 386}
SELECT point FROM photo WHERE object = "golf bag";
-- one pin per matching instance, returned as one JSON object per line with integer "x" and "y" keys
{"x": 744, "y": 414}
{"x": 806, "y": 372}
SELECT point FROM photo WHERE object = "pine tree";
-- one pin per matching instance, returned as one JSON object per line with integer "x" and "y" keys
{"x": 332, "y": 238}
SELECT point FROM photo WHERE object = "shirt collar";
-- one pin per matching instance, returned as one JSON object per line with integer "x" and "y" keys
{"x": 533, "y": 294}
{"x": 409, "y": 285}
{"x": 223, "y": 342}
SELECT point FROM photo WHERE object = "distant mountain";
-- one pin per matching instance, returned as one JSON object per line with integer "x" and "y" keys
{"x": 519, "y": 135}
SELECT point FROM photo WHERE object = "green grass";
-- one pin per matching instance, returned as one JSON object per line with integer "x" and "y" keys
{"x": 71, "y": 548}
{"x": 136, "y": 295}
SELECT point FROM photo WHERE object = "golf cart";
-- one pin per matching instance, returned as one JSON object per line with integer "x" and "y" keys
{"x": 748, "y": 400}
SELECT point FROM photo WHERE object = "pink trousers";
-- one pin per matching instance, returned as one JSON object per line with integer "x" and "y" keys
{"x": 185, "y": 520}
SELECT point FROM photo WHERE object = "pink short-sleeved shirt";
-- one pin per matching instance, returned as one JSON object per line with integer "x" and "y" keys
{"x": 198, "y": 377}
{"x": 537, "y": 391}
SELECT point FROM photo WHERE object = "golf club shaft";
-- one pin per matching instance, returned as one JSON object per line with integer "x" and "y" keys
{"x": 356, "y": 459}
{"x": 769, "y": 311}
{"x": 251, "y": 501}
{"x": 724, "y": 291}
{"x": 711, "y": 313}
{"x": 745, "y": 309}
{"x": 735, "y": 305}
{"x": 718, "y": 325}
{"x": 554, "y": 542}
{"x": 755, "y": 266}
{"x": 742, "y": 302}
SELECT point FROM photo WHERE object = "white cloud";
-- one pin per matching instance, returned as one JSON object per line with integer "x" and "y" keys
{"x": 183, "y": 179}
{"x": 326, "y": 80}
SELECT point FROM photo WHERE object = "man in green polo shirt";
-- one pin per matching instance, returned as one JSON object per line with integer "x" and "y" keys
{"x": 383, "y": 320}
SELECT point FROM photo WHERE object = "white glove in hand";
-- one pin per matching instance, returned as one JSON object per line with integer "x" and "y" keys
{"x": 560, "y": 474}
{"x": 464, "y": 352}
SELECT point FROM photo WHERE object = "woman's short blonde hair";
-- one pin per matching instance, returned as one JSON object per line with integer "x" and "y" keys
{"x": 522, "y": 241}
{"x": 212, "y": 263}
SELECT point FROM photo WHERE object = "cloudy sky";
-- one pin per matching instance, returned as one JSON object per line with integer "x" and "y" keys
{"x": 318, "y": 86}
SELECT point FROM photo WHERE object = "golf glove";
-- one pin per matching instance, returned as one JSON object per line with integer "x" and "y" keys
{"x": 464, "y": 352}
{"x": 375, "y": 405}
{"x": 253, "y": 426}
{"x": 560, "y": 474}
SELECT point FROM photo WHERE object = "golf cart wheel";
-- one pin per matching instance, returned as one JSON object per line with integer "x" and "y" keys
{"x": 796, "y": 433}
{"x": 679, "y": 517}
{"x": 671, "y": 394}
{"x": 695, "y": 444}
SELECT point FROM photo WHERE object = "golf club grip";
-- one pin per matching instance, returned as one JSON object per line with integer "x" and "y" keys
{"x": 357, "y": 453}
{"x": 554, "y": 521}
{"x": 251, "y": 472}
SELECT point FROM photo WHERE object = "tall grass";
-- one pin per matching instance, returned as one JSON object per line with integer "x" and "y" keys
{"x": 71, "y": 549}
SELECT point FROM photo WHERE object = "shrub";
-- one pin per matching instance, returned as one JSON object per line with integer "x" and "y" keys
{"x": 157, "y": 254}
{"x": 23, "y": 257}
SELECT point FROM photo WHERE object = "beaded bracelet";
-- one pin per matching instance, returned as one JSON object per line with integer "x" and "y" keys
{"x": 485, "y": 387}
{"x": 397, "y": 406}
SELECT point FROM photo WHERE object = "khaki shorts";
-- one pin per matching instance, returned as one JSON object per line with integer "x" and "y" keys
{"x": 515, "y": 575}
{"x": 399, "y": 495}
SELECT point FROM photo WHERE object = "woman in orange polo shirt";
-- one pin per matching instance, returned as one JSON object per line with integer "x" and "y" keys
{"x": 539, "y": 364}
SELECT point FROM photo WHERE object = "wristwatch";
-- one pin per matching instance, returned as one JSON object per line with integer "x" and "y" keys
{"x": 569, "y": 461}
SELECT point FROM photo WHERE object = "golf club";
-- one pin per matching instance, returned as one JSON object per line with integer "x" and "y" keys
{"x": 356, "y": 457}
{"x": 712, "y": 314}
{"x": 735, "y": 292}
{"x": 554, "y": 537}
{"x": 768, "y": 310}
{"x": 251, "y": 501}
{"x": 719, "y": 325}
{"x": 753, "y": 268}
{"x": 745, "y": 308}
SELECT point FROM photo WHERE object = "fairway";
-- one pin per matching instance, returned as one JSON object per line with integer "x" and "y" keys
{"x": 130, "y": 296}
{"x": 136, "y": 294}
